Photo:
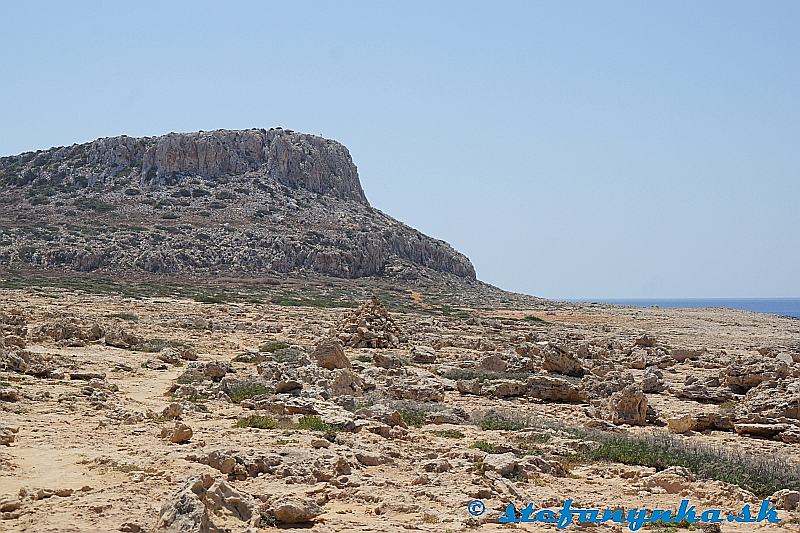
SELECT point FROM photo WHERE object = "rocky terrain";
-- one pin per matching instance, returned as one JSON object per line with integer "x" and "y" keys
{"x": 251, "y": 202}
{"x": 140, "y": 412}
{"x": 215, "y": 332}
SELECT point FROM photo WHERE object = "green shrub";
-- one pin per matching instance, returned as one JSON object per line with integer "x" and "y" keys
{"x": 156, "y": 345}
{"x": 449, "y": 434}
{"x": 247, "y": 390}
{"x": 249, "y": 357}
{"x": 484, "y": 446}
{"x": 762, "y": 474}
{"x": 315, "y": 423}
{"x": 535, "y": 320}
{"x": 413, "y": 417}
{"x": 499, "y": 423}
{"x": 94, "y": 204}
{"x": 273, "y": 346}
{"x": 257, "y": 421}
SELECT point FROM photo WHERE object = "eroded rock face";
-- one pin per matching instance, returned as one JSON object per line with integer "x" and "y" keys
{"x": 779, "y": 399}
{"x": 294, "y": 159}
{"x": 554, "y": 389}
{"x": 271, "y": 201}
{"x": 627, "y": 406}
{"x": 557, "y": 359}
{"x": 742, "y": 375}
{"x": 206, "y": 505}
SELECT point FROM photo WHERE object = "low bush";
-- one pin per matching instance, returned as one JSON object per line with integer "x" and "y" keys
{"x": 762, "y": 474}
{"x": 484, "y": 446}
{"x": 315, "y": 423}
{"x": 449, "y": 434}
{"x": 413, "y": 417}
{"x": 257, "y": 421}
{"x": 247, "y": 390}
{"x": 273, "y": 346}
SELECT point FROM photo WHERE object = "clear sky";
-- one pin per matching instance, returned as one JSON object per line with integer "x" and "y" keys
{"x": 570, "y": 149}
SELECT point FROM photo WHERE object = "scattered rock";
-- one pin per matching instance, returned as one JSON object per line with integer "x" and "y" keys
{"x": 7, "y": 435}
{"x": 173, "y": 410}
{"x": 646, "y": 341}
{"x": 369, "y": 326}
{"x": 558, "y": 360}
{"x": 627, "y": 406}
{"x": 788, "y": 500}
{"x": 295, "y": 510}
{"x": 423, "y": 354}
{"x": 554, "y": 389}
{"x": 502, "y": 463}
{"x": 179, "y": 434}
{"x": 205, "y": 505}
{"x": 330, "y": 354}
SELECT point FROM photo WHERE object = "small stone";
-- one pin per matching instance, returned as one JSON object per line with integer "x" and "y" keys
{"x": 172, "y": 411}
{"x": 179, "y": 434}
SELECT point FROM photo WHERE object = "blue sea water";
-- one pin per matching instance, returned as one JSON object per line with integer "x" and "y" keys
{"x": 774, "y": 306}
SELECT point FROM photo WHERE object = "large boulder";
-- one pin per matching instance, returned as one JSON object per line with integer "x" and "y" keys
{"x": 627, "y": 406}
{"x": 329, "y": 354}
{"x": 558, "y": 360}
{"x": 295, "y": 510}
{"x": 554, "y": 389}
{"x": 742, "y": 375}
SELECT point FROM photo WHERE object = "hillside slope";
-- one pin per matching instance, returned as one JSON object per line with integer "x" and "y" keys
{"x": 247, "y": 202}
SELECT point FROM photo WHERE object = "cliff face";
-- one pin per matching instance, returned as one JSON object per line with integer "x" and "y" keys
{"x": 293, "y": 159}
{"x": 245, "y": 202}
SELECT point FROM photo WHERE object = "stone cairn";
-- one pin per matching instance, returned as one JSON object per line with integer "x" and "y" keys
{"x": 369, "y": 326}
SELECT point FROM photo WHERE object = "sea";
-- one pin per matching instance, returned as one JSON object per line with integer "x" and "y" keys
{"x": 774, "y": 306}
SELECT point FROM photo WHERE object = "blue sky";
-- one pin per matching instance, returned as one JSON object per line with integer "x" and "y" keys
{"x": 570, "y": 149}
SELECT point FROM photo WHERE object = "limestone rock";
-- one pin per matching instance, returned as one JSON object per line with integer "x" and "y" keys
{"x": 627, "y": 406}
{"x": 295, "y": 510}
{"x": 330, "y": 354}
{"x": 493, "y": 363}
{"x": 423, "y": 354}
{"x": 7, "y": 435}
{"x": 558, "y": 360}
{"x": 653, "y": 381}
{"x": 786, "y": 499}
{"x": 698, "y": 422}
{"x": 206, "y": 505}
{"x": 295, "y": 205}
{"x": 502, "y": 463}
{"x": 121, "y": 338}
{"x": 172, "y": 411}
{"x": 369, "y": 326}
{"x": 9, "y": 394}
{"x": 554, "y": 389}
{"x": 742, "y": 375}
{"x": 646, "y": 340}
{"x": 178, "y": 434}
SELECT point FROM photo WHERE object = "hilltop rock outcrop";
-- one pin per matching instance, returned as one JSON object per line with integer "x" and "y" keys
{"x": 250, "y": 203}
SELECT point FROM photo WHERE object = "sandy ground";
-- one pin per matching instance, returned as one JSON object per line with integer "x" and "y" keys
{"x": 77, "y": 463}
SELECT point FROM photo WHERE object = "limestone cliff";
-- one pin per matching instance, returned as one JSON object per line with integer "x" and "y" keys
{"x": 242, "y": 202}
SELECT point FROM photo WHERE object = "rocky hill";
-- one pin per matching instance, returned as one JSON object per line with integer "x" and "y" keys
{"x": 247, "y": 202}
